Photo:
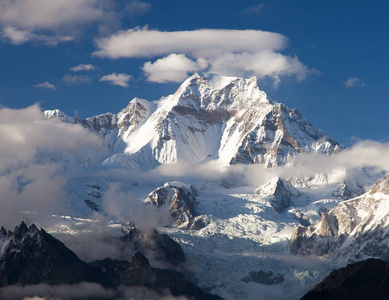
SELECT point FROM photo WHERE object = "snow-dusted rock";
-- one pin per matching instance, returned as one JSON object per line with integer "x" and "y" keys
{"x": 279, "y": 192}
{"x": 181, "y": 199}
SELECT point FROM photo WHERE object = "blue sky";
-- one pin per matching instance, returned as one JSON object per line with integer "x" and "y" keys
{"x": 333, "y": 54}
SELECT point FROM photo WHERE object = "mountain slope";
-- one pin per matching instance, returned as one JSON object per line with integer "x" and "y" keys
{"x": 209, "y": 117}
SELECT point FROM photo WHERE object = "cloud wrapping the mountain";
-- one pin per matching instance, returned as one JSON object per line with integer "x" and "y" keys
{"x": 30, "y": 178}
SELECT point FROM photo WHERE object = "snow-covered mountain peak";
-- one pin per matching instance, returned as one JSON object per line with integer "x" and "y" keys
{"x": 57, "y": 114}
{"x": 209, "y": 117}
{"x": 215, "y": 92}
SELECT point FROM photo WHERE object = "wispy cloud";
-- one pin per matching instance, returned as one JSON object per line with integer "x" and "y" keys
{"x": 18, "y": 37}
{"x": 254, "y": 9}
{"x": 137, "y": 8}
{"x": 43, "y": 14}
{"x": 45, "y": 85}
{"x": 44, "y": 20}
{"x": 83, "y": 68}
{"x": 75, "y": 79}
{"x": 353, "y": 82}
{"x": 117, "y": 79}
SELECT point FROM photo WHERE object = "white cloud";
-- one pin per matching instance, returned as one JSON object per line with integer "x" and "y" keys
{"x": 75, "y": 79}
{"x": 174, "y": 68}
{"x": 29, "y": 178}
{"x": 263, "y": 63}
{"x": 44, "y": 14}
{"x": 201, "y": 43}
{"x": 254, "y": 9}
{"x": 45, "y": 85}
{"x": 226, "y": 52}
{"x": 18, "y": 37}
{"x": 84, "y": 67}
{"x": 353, "y": 82}
{"x": 46, "y": 21}
{"x": 117, "y": 79}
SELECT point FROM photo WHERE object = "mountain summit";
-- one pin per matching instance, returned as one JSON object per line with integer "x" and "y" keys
{"x": 209, "y": 117}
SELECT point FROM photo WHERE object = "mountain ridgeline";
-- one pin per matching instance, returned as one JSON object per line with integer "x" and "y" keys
{"x": 209, "y": 117}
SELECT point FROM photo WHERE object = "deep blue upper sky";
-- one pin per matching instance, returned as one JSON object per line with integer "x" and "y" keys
{"x": 341, "y": 40}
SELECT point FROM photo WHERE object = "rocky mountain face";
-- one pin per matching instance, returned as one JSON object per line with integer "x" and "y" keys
{"x": 31, "y": 256}
{"x": 363, "y": 280}
{"x": 279, "y": 192}
{"x": 181, "y": 199}
{"x": 209, "y": 117}
{"x": 356, "y": 228}
{"x": 160, "y": 246}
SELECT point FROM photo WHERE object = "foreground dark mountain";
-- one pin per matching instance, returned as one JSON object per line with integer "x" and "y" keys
{"x": 32, "y": 256}
{"x": 365, "y": 280}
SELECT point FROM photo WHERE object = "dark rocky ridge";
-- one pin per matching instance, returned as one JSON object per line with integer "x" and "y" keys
{"x": 365, "y": 280}
{"x": 31, "y": 256}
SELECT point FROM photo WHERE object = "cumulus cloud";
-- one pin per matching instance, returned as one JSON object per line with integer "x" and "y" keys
{"x": 45, "y": 85}
{"x": 30, "y": 179}
{"x": 84, "y": 68}
{"x": 17, "y": 37}
{"x": 201, "y": 43}
{"x": 75, "y": 79}
{"x": 263, "y": 63}
{"x": 225, "y": 52}
{"x": 117, "y": 79}
{"x": 254, "y": 9}
{"x": 353, "y": 82}
{"x": 174, "y": 68}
